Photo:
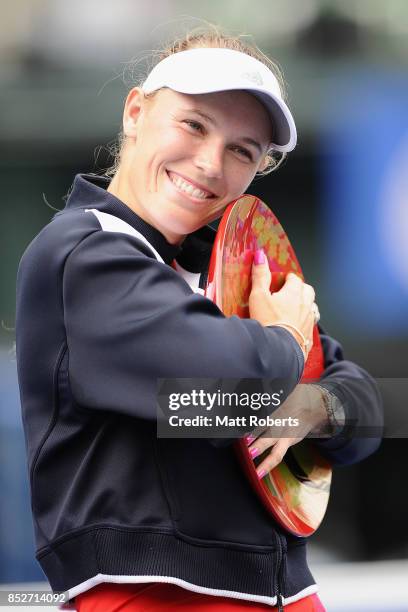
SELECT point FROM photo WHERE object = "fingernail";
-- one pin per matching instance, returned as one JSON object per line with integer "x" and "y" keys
{"x": 254, "y": 452}
{"x": 249, "y": 439}
{"x": 259, "y": 257}
{"x": 261, "y": 474}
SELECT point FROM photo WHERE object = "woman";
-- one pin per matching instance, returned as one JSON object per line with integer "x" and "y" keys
{"x": 124, "y": 519}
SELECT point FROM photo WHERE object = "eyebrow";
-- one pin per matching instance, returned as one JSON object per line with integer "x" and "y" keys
{"x": 211, "y": 120}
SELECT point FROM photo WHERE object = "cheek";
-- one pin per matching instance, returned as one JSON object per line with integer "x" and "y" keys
{"x": 239, "y": 173}
{"x": 177, "y": 144}
{"x": 165, "y": 154}
{"x": 164, "y": 141}
{"x": 239, "y": 179}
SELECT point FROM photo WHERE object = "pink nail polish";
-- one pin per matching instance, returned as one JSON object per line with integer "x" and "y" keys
{"x": 249, "y": 439}
{"x": 259, "y": 257}
{"x": 261, "y": 474}
{"x": 254, "y": 452}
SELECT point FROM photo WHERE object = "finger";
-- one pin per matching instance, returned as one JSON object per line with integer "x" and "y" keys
{"x": 260, "y": 445}
{"x": 261, "y": 275}
{"x": 265, "y": 434}
{"x": 293, "y": 281}
{"x": 309, "y": 294}
{"x": 316, "y": 312}
{"x": 251, "y": 438}
{"x": 254, "y": 434}
{"x": 275, "y": 457}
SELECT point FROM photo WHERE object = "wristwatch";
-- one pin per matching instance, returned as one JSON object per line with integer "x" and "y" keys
{"x": 335, "y": 412}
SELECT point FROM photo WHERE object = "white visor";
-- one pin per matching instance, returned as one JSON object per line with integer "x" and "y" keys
{"x": 207, "y": 70}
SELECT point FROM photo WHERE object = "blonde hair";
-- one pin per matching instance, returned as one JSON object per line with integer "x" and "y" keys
{"x": 209, "y": 36}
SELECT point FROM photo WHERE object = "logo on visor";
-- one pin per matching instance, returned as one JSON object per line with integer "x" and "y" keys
{"x": 254, "y": 77}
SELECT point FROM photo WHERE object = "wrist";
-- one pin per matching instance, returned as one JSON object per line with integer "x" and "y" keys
{"x": 330, "y": 414}
{"x": 297, "y": 335}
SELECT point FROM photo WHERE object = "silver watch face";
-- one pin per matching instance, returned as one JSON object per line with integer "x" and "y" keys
{"x": 336, "y": 414}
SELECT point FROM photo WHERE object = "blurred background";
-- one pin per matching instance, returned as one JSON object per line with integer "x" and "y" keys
{"x": 341, "y": 196}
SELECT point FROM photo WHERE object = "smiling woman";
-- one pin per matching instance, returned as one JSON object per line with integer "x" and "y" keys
{"x": 186, "y": 157}
{"x": 215, "y": 112}
{"x": 109, "y": 299}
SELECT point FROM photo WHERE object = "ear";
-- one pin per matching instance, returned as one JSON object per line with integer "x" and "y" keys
{"x": 132, "y": 111}
{"x": 264, "y": 163}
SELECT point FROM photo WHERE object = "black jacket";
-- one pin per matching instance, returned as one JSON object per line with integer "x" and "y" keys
{"x": 99, "y": 319}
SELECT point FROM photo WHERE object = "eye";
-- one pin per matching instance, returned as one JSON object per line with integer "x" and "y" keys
{"x": 243, "y": 152}
{"x": 194, "y": 125}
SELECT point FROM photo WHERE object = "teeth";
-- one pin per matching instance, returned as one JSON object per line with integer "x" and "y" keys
{"x": 188, "y": 187}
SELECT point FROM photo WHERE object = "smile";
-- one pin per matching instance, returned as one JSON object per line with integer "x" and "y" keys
{"x": 188, "y": 188}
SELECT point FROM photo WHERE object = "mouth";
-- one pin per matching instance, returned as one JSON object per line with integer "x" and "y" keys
{"x": 189, "y": 188}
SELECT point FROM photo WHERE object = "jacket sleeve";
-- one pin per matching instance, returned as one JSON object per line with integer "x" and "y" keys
{"x": 362, "y": 404}
{"x": 131, "y": 320}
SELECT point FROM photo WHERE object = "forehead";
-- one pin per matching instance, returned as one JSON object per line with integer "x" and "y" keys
{"x": 238, "y": 110}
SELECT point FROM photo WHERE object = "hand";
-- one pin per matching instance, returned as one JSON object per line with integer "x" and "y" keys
{"x": 306, "y": 404}
{"x": 292, "y": 304}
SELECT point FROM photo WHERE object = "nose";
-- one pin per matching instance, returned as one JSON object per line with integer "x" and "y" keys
{"x": 210, "y": 159}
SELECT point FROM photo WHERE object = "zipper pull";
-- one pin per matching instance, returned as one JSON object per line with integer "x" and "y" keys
{"x": 280, "y": 602}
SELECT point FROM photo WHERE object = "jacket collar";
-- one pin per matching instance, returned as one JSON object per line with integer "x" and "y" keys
{"x": 90, "y": 191}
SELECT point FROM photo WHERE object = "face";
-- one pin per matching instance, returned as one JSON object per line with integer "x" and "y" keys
{"x": 187, "y": 156}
